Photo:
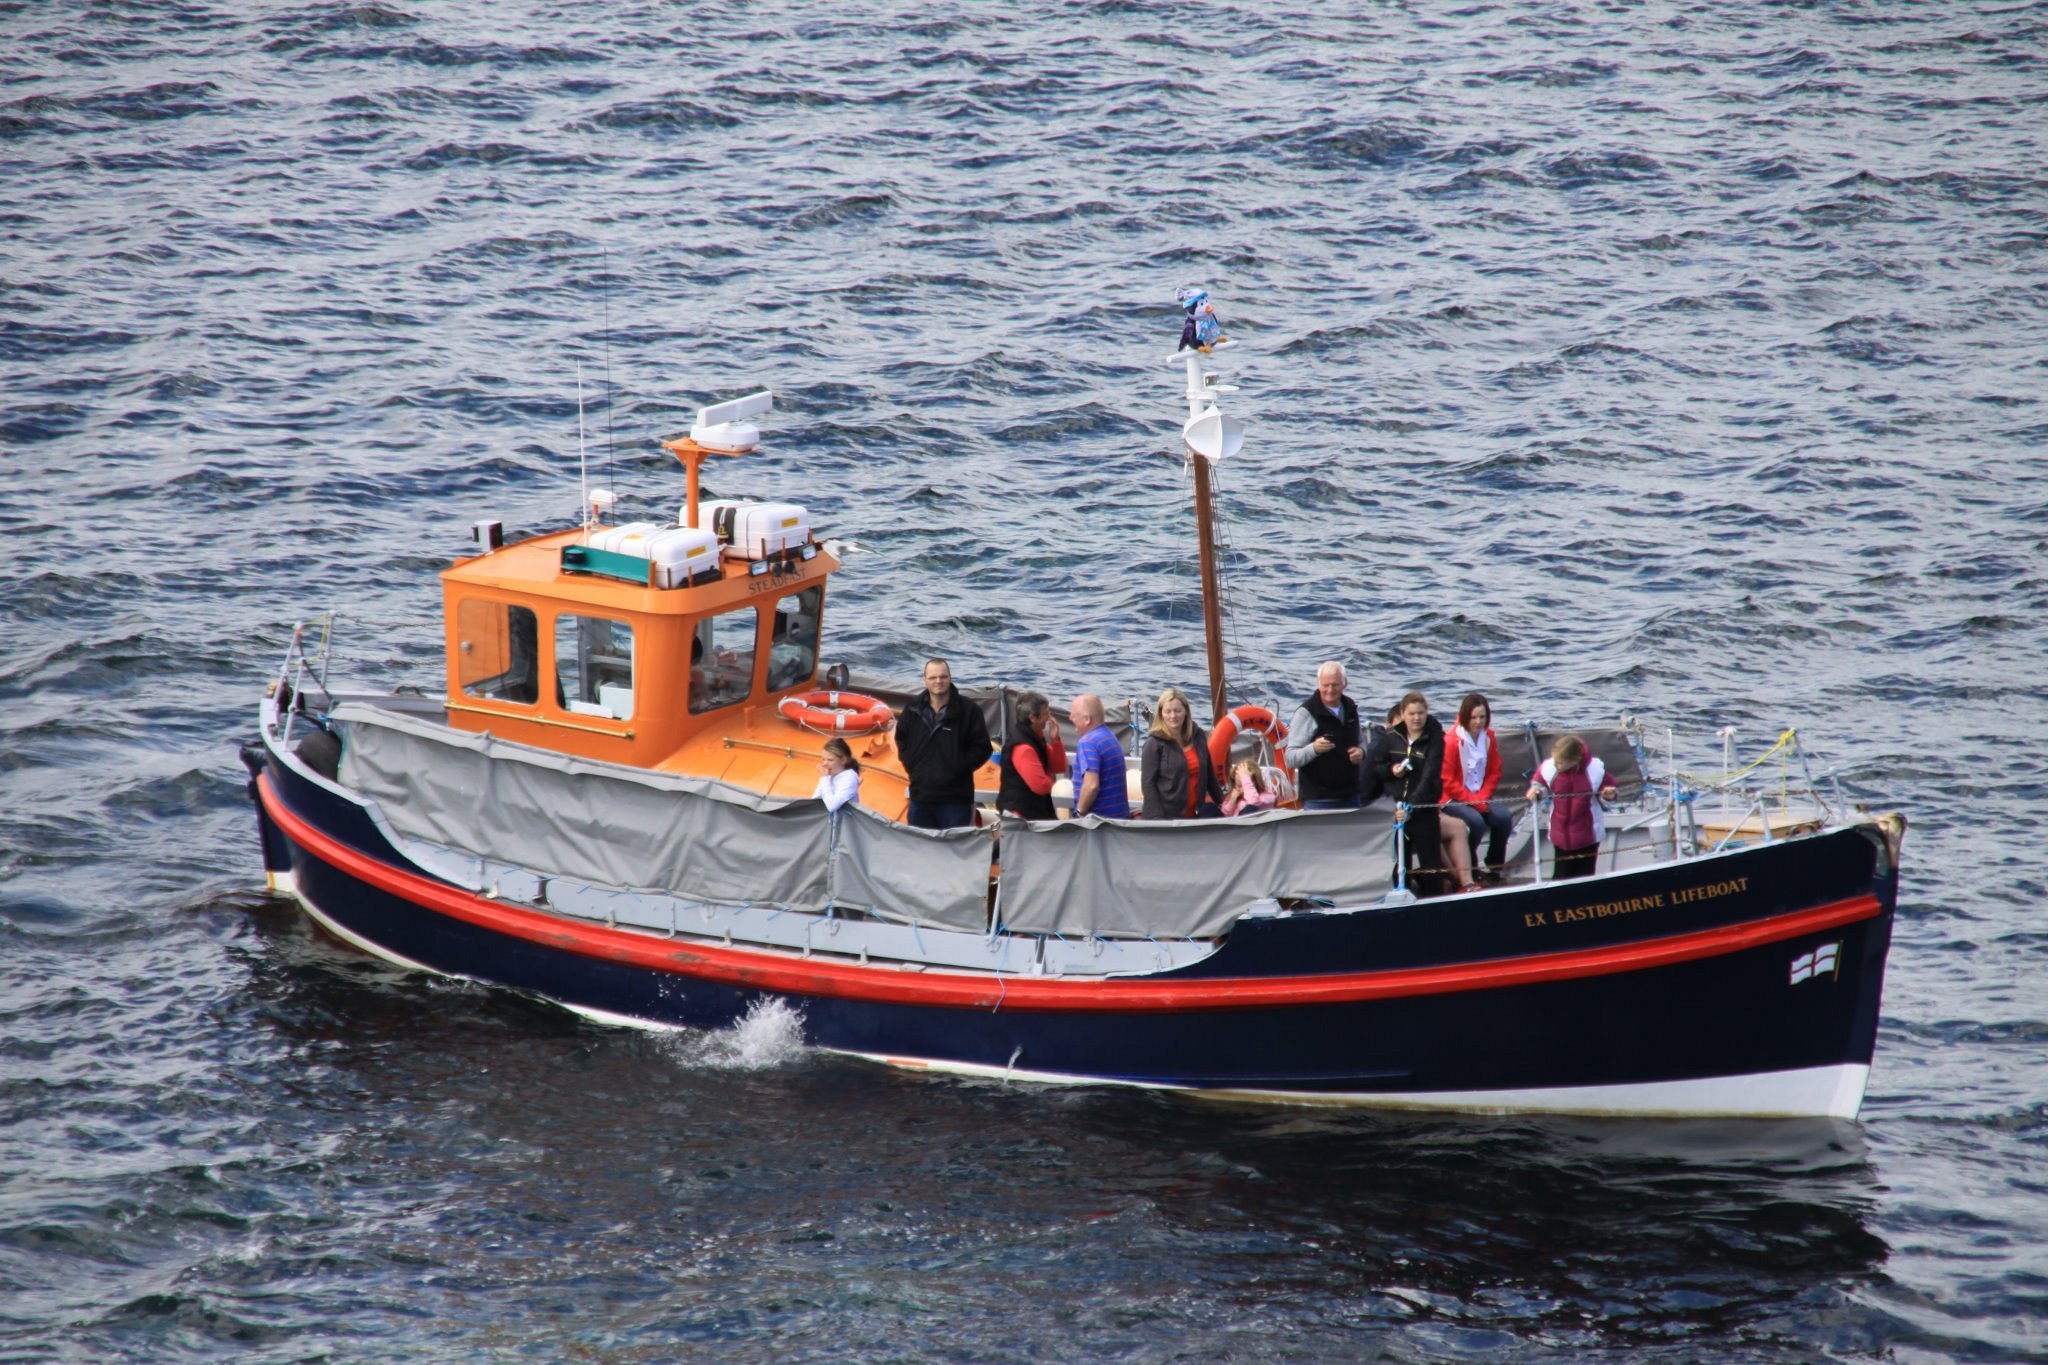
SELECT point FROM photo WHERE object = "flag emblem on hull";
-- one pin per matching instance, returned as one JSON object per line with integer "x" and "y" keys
{"x": 1822, "y": 961}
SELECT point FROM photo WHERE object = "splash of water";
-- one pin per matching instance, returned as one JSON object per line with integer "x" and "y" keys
{"x": 769, "y": 1034}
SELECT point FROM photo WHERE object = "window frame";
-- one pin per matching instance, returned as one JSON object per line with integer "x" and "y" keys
{"x": 810, "y": 675}
{"x": 756, "y": 659}
{"x": 582, "y": 665}
{"x": 539, "y": 664}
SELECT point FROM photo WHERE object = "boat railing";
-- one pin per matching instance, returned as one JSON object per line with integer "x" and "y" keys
{"x": 298, "y": 663}
{"x": 1755, "y": 808}
{"x": 1700, "y": 815}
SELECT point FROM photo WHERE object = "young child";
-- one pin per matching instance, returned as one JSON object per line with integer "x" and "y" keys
{"x": 1249, "y": 792}
{"x": 838, "y": 775}
{"x": 1573, "y": 779}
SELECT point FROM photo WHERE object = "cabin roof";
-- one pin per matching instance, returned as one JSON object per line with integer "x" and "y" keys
{"x": 533, "y": 569}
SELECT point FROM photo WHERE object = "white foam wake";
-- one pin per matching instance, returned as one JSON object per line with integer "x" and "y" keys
{"x": 769, "y": 1034}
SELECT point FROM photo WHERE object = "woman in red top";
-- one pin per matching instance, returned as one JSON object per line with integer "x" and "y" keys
{"x": 1471, "y": 772}
{"x": 1033, "y": 756}
{"x": 1178, "y": 777}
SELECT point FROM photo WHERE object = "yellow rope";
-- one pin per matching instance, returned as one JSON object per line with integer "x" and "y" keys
{"x": 1782, "y": 747}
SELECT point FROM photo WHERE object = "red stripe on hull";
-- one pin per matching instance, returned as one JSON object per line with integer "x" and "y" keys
{"x": 757, "y": 970}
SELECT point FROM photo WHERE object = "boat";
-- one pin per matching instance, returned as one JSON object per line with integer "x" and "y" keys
{"x": 607, "y": 801}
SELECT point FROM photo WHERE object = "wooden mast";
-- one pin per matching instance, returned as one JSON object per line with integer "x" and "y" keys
{"x": 1210, "y": 436}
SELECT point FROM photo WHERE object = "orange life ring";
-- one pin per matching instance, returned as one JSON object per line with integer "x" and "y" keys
{"x": 1256, "y": 719}
{"x": 851, "y": 713}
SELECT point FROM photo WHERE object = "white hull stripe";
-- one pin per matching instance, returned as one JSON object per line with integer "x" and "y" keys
{"x": 376, "y": 950}
{"x": 1810, "y": 1092}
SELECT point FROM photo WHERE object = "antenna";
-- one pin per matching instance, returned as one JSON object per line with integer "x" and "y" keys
{"x": 723, "y": 426}
{"x": 610, "y": 401}
{"x": 582, "y": 456}
{"x": 720, "y": 428}
{"x": 596, "y": 501}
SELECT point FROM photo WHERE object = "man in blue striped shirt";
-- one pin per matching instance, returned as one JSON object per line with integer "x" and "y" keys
{"x": 1098, "y": 772}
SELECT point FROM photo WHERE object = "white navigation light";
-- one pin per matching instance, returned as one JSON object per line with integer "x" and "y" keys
{"x": 723, "y": 426}
{"x": 1213, "y": 435}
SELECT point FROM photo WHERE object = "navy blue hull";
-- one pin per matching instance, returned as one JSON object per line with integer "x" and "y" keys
{"x": 1726, "y": 1012}
{"x": 277, "y": 850}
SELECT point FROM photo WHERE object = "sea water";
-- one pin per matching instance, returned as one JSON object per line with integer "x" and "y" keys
{"x": 1678, "y": 361}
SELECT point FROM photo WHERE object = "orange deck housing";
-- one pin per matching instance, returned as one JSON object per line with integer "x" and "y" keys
{"x": 736, "y": 737}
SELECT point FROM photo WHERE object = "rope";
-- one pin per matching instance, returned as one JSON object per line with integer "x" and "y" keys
{"x": 1783, "y": 746}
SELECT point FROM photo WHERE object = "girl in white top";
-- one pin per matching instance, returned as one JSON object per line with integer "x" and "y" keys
{"x": 838, "y": 775}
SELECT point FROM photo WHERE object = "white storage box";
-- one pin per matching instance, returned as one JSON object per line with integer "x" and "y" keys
{"x": 761, "y": 529}
{"x": 615, "y": 700}
{"x": 680, "y": 555}
{"x": 609, "y": 537}
{"x": 711, "y": 514}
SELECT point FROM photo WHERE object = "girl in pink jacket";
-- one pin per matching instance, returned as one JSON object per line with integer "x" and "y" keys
{"x": 1248, "y": 793}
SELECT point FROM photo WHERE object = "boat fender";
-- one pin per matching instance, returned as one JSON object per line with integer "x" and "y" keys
{"x": 852, "y": 713}
{"x": 1256, "y": 719}
{"x": 321, "y": 751}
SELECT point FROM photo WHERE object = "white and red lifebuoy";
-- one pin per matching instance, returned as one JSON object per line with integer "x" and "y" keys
{"x": 849, "y": 713}
{"x": 1255, "y": 719}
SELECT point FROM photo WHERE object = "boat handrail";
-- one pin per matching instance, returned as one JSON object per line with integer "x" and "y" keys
{"x": 291, "y": 673}
{"x": 1756, "y": 808}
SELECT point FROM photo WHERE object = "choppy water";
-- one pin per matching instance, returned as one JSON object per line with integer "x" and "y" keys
{"x": 1682, "y": 360}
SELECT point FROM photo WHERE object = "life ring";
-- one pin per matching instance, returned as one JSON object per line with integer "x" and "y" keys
{"x": 851, "y": 713}
{"x": 1256, "y": 719}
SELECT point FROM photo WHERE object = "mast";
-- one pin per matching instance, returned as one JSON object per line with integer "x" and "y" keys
{"x": 722, "y": 429}
{"x": 1210, "y": 436}
{"x": 1212, "y": 604}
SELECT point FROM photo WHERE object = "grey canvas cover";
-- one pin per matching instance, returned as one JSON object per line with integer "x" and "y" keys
{"x": 628, "y": 827}
{"x": 1185, "y": 878}
{"x": 923, "y": 875}
{"x": 1524, "y": 747}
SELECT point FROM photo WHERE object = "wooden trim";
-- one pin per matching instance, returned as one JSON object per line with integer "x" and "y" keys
{"x": 539, "y": 720}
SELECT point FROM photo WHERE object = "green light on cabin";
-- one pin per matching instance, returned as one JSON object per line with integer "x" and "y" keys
{"x": 607, "y": 563}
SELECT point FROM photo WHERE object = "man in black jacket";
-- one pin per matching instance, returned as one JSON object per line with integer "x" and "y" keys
{"x": 943, "y": 741}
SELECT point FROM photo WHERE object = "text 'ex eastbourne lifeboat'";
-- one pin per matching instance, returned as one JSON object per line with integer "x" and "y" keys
{"x": 609, "y": 803}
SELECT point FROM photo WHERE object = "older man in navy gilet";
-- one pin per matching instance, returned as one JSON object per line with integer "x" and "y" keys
{"x": 1325, "y": 746}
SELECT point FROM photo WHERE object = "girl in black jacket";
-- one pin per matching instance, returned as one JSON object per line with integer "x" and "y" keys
{"x": 1413, "y": 771}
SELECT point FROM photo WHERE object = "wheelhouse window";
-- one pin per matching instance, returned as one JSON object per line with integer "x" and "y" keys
{"x": 722, "y": 659}
{"x": 594, "y": 666}
{"x": 793, "y": 639}
{"x": 498, "y": 651}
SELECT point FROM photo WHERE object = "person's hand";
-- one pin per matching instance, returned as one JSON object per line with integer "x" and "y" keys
{"x": 1355, "y": 754}
{"x": 1324, "y": 744}
{"x": 1609, "y": 792}
{"x": 1534, "y": 792}
{"x": 1402, "y": 766}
